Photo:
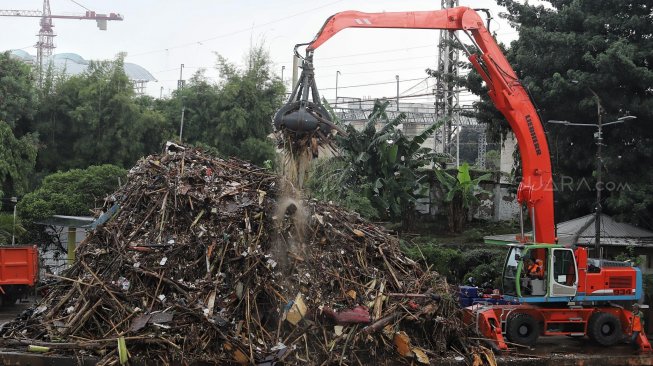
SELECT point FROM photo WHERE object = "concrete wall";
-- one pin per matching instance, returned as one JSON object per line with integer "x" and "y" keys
{"x": 53, "y": 260}
{"x": 498, "y": 203}
{"x": 507, "y": 163}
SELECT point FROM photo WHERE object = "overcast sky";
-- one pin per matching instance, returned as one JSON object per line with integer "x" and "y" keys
{"x": 162, "y": 34}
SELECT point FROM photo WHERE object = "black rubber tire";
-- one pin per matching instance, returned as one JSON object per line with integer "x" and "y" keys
{"x": 522, "y": 329}
{"x": 605, "y": 329}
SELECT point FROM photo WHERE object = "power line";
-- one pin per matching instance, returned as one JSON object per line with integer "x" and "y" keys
{"x": 371, "y": 84}
{"x": 376, "y": 71}
{"x": 412, "y": 87}
{"x": 377, "y": 52}
{"x": 24, "y": 48}
{"x": 375, "y": 62}
{"x": 419, "y": 91}
{"x": 80, "y": 5}
{"x": 248, "y": 29}
{"x": 177, "y": 69}
{"x": 410, "y": 96}
{"x": 358, "y": 54}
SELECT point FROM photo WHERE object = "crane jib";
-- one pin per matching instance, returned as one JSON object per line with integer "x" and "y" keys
{"x": 531, "y": 129}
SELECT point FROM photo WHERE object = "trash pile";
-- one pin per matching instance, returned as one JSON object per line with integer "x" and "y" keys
{"x": 205, "y": 262}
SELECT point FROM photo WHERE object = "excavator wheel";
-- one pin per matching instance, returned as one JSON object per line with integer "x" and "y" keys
{"x": 604, "y": 329}
{"x": 523, "y": 329}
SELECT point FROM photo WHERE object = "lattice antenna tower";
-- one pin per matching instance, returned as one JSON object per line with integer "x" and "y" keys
{"x": 446, "y": 93}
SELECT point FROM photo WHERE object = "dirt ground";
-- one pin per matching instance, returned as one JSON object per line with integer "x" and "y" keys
{"x": 571, "y": 350}
{"x": 9, "y": 312}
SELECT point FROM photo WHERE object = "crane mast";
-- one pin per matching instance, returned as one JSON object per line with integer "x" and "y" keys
{"x": 45, "y": 44}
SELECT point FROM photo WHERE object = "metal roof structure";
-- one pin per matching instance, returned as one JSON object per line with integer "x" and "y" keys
{"x": 613, "y": 233}
{"x": 68, "y": 221}
{"x": 74, "y": 64}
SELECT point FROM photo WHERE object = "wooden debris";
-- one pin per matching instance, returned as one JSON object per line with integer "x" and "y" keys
{"x": 230, "y": 270}
{"x": 297, "y": 310}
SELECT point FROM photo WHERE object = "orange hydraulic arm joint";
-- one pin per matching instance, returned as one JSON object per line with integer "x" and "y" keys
{"x": 505, "y": 90}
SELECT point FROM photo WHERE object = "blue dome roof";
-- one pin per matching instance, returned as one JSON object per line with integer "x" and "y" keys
{"x": 70, "y": 56}
{"x": 74, "y": 64}
{"x": 23, "y": 55}
{"x": 137, "y": 72}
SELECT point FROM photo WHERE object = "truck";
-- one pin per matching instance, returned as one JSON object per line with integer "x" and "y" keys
{"x": 18, "y": 272}
{"x": 576, "y": 295}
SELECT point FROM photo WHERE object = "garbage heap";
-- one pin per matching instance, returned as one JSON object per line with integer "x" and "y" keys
{"x": 205, "y": 262}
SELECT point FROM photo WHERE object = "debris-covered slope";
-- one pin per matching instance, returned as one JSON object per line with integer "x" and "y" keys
{"x": 205, "y": 262}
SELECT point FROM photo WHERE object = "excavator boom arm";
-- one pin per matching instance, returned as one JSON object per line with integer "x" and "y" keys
{"x": 504, "y": 88}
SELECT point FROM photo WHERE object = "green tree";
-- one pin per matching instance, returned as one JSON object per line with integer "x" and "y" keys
{"x": 445, "y": 261}
{"x": 233, "y": 116}
{"x": 17, "y": 161}
{"x": 95, "y": 118}
{"x": 198, "y": 98}
{"x": 493, "y": 160}
{"x": 247, "y": 102}
{"x": 18, "y": 96}
{"x": 385, "y": 167}
{"x": 74, "y": 192}
{"x": 564, "y": 49}
{"x": 8, "y": 229}
{"x": 459, "y": 195}
{"x": 483, "y": 266}
{"x": 325, "y": 181}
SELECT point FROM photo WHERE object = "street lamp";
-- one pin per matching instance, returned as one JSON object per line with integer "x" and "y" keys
{"x": 598, "y": 136}
{"x": 397, "y": 77}
{"x": 14, "y": 200}
{"x": 337, "y": 73}
{"x": 180, "y": 86}
{"x": 181, "y": 123}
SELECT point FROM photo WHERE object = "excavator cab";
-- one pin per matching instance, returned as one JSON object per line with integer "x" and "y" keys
{"x": 557, "y": 280}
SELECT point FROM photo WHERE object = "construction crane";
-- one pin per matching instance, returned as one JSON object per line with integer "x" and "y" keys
{"x": 45, "y": 44}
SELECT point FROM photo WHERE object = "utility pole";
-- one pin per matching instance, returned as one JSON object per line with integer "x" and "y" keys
{"x": 161, "y": 93}
{"x": 181, "y": 125}
{"x": 295, "y": 66}
{"x": 598, "y": 138}
{"x": 180, "y": 83}
{"x": 459, "y": 129}
{"x": 599, "y": 182}
{"x": 337, "y": 73}
{"x": 397, "y": 77}
{"x": 283, "y": 67}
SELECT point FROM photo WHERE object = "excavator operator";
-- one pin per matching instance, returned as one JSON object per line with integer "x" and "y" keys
{"x": 535, "y": 269}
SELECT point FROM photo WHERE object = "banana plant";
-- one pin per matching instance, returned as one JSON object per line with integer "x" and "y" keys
{"x": 460, "y": 194}
{"x": 382, "y": 165}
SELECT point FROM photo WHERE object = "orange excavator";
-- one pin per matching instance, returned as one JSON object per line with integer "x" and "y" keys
{"x": 576, "y": 295}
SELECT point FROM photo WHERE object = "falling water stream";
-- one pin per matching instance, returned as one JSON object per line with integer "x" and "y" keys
{"x": 291, "y": 210}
